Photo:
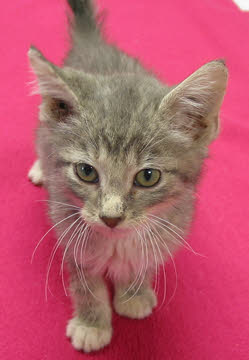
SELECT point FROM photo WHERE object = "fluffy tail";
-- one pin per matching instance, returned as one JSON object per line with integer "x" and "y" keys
{"x": 84, "y": 14}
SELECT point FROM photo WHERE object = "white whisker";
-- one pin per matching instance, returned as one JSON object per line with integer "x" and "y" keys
{"x": 168, "y": 230}
{"x": 60, "y": 203}
{"x": 75, "y": 232}
{"x": 166, "y": 221}
{"x": 58, "y": 223}
{"x": 155, "y": 257}
{"x": 83, "y": 247}
{"x": 133, "y": 284}
{"x": 142, "y": 277}
{"x": 55, "y": 248}
{"x": 163, "y": 266}
{"x": 163, "y": 243}
{"x": 75, "y": 249}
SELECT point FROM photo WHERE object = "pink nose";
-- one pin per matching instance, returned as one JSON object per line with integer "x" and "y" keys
{"x": 111, "y": 222}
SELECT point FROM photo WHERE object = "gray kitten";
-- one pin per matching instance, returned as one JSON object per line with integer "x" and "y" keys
{"x": 120, "y": 154}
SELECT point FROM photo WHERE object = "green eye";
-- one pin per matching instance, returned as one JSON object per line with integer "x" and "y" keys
{"x": 87, "y": 173}
{"x": 147, "y": 177}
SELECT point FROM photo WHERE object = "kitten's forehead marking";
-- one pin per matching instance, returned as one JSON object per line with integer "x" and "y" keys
{"x": 73, "y": 155}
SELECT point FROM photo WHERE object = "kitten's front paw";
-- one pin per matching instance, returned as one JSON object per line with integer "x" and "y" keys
{"x": 138, "y": 306}
{"x": 87, "y": 338}
{"x": 35, "y": 173}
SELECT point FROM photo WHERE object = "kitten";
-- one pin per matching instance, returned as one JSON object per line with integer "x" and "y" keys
{"x": 120, "y": 154}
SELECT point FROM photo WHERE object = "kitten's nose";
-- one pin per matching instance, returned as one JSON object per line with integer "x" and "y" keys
{"x": 111, "y": 221}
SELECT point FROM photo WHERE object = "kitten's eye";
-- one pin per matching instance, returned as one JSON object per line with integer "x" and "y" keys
{"x": 87, "y": 173}
{"x": 147, "y": 177}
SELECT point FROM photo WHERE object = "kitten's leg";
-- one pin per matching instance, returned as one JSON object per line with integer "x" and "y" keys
{"x": 135, "y": 304}
{"x": 35, "y": 173}
{"x": 90, "y": 329}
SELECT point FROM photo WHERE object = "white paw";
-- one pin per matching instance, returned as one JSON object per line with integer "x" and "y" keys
{"x": 87, "y": 338}
{"x": 35, "y": 173}
{"x": 138, "y": 306}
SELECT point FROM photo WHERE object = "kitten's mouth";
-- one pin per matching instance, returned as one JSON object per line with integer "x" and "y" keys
{"x": 115, "y": 232}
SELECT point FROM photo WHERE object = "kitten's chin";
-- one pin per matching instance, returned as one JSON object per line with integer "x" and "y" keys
{"x": 117, "y": 232}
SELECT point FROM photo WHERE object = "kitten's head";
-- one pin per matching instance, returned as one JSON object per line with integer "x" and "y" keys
{"x": 125, "y": 145}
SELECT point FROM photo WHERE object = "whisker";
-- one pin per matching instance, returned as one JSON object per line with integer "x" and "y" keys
{"x": 142, "y": 277}
{"x": 75, "y": 232}
{"x": 83, "y": 248}
{"x": 133, "y": 284}
{"x": 149, "y": 143}
{"x": 184, "y": 243}
{"x": 82, "y": 254}
{"x": 55, "y": 248}
{"x": 79, "y": 238}
{"x": 166, "y": 221}
{"x": 163, "y": 266}
{"x": 156, "y": 260}
{"x": 82, "y": 241}
{"x": 58, "y": 223}
{"x": 61, "y": 203}
{"x": 163, "y": 243}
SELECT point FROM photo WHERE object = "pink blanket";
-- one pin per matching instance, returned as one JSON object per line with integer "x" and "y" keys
{"x": 208, "y": 317}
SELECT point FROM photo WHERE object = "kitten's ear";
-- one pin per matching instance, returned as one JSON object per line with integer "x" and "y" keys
{"x": 192, "y": 108}
{"x": 52, "y": 85}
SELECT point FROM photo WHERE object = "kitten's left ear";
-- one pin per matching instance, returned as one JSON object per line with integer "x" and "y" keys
{"x": 191, "y": 109}
{"x": 52, "y": 84}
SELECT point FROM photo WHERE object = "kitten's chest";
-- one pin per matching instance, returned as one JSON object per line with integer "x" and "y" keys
{"x": 119, "y": 259}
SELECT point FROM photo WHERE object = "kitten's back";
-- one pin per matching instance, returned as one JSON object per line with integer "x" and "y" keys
{"x": 89, "y": 51}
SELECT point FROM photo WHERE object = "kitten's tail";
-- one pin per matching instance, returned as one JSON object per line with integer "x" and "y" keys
{"x": 83, "y": 14}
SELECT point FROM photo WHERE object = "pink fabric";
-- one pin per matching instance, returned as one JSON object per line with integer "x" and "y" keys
{"x": 208, "y": 316}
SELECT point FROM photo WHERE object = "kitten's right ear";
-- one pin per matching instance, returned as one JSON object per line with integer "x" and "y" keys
{"x": 52, "y": 85}
{"x": 192, "y": 107}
